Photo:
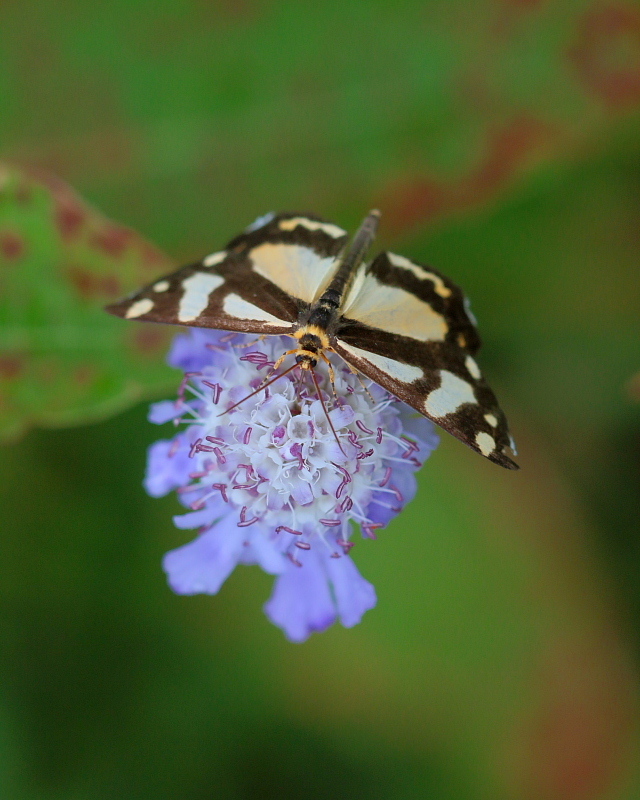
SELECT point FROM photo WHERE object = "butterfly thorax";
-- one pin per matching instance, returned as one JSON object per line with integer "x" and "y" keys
{"x": 319, "y": 322}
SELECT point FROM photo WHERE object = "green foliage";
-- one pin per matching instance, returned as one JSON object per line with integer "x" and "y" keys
{"x": 63, "y": 360}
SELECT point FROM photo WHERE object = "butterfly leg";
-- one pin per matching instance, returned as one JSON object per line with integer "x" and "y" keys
{"x": 242, "y": 345}
{"x": 332, "y": 374}
{"x": 276, "y": 366}
{"x": 359, "y": 377}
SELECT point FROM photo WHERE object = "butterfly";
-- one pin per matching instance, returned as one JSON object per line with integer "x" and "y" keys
{"x": 398, "y": 322}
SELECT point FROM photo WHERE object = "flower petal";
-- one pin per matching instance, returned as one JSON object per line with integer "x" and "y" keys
{"x": 203, "y": 565}
{"x": 354, "y": 595}
{"x": 167, "y": 466}
{"x": 189, "y": 351}
{"x": 263, "y": 552}
{"x": 165, "y": 410}
{"x": 301, "y": 602}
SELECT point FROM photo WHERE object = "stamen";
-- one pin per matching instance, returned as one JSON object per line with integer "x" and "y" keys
{"x": 353, "y": 439}
{"x": 369, "y": 528}
{"x": 397, "y": 493}
{"x": 330, "y": 523}
{"x": 244, "y": 523}
{"x": 288, "y": 530}
{"x": 303, "y": 545}
{"x": 247, "y": 436}
{"x": 293, "y": 559}
{"x": 219, "y": 455}
{"x": 346, "y": 478}
{"x": 214, "y": 439}
{"x": 257, "y": 357}
{"x": 222, "y": 488}
{"x": 387, "y": 476}
{"x": 217, "y": 391}
{"x": 363, "y": 427}
{"x": 379, "y": 436}
{"x": 413, "y": 447}
{"x": 185, "y": 489}
{"x": 194, "y": 448}
{"x": 365, "y": 454}
{"x": 345, "y": 545}
{"x": 204, "y": 448}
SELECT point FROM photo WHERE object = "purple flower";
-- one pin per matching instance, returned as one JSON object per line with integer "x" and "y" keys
{"x": 267, "y": 483}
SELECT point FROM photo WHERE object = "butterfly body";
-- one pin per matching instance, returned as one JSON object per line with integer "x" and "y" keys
{"x": 400, "y": 323}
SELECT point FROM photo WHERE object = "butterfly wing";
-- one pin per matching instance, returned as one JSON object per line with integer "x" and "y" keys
{"x": 259, "y": 283}
{"x": 409, "y": 328}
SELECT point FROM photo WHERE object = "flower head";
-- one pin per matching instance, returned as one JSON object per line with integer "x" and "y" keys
{"x": 270, "y": 483}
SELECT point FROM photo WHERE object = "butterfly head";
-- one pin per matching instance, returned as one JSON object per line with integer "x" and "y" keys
{"x": 312, "y": 342}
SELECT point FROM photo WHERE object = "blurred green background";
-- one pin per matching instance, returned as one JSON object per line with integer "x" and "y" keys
{"x": 500, "y": 138}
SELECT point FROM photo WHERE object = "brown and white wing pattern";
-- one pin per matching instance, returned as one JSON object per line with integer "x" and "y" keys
{"x": 258, "y": 284}
{"x": 409, "y": 328}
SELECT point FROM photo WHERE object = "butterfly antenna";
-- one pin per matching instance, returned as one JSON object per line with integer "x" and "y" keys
{"x": 326, "y": 413}
{"x": 259, "y": 389}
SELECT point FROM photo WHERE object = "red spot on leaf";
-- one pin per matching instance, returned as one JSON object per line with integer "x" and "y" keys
{"x": 10, "y": 366}
{"x": 112, "y": 239}
{"x": 508, "y": 151}
{"x": 607, "y": 54}
{"x": 150, "y": 339}
{"x": 415, "y": 201}
{"x": 11, "y": 245}
{"x": 152, "y": 257}
{"x": 23, "y": 193}
{"x": 89, "y": 285}
{"x": 84, "y": 374}
{"x": 70, "y": 216}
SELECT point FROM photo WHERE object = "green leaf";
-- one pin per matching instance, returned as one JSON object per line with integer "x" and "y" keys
{"x": 63, "y": 360}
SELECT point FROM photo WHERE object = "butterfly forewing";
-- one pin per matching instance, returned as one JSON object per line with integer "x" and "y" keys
{"x": 258, "y": 284}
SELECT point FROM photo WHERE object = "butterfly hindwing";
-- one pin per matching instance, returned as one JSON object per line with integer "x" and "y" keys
{"x": 417, "y": 341}
{"x": 403, "y": 297}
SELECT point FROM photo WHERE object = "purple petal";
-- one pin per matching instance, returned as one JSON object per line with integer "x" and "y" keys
{"x": 189, "y": 351}
{"x": 167, "y": 467}
{"x": 342, "y": 416}
{"x": 263, "y": 552}
{"x": 301, "y": 602}
{"x": 422, "y": 430}
{"x": 165, "y": 410}
{"x": 203, "y": 565}
{"x": 354, "y": 595}
{"x": 204, "y": 516}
